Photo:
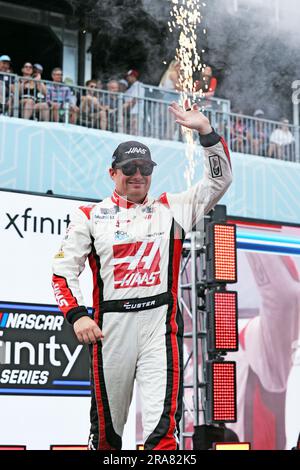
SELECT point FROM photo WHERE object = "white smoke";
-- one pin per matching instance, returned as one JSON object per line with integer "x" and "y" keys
{"x": 255, "y": 48}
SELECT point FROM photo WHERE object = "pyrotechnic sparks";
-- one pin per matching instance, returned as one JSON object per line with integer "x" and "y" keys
{"x": 186, "y": 17}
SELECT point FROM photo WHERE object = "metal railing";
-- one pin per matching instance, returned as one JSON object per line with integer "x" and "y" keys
{"x": 147, "y": 115}
{"x": 161, "y": 94}
{"x": 261, "y": 137}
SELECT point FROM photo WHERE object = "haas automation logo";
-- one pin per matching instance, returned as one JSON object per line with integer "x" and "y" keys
{"x": 137, "y": 264}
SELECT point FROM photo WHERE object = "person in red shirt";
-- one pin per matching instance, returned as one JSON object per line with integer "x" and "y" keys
{"x": 207, "y": 83}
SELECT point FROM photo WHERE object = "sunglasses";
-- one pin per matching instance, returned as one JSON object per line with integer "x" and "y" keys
{"x": 130, "y": 168}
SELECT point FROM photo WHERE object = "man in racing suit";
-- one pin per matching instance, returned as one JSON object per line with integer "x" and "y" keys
{"x": 134, "y": 243}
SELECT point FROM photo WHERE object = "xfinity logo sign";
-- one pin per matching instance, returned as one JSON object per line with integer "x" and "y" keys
{"x": 40, "y": 354}
{"x": 28, "y": 222}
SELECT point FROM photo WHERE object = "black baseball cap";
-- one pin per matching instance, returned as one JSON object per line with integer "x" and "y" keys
{"x": 131, "y": 151}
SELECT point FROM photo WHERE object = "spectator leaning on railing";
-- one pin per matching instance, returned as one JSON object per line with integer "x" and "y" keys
{"x": 92, "y": 113}
{"x": 59, "y": 98}
{"x": 170, "y": 82}
{"x": 41, "y": 106}
{"x": 207, "y": 83}
{"x": 75, "y": 99}
{"x": 239, "y": 133}
{"x": 123, "y": 85}
{"x": 259, "y": 135}
{"x": 281, "y": 141}
{"x": 5, "y": 63}
{"x": 111, "y": 100}
{"x": 99, "y": 84}
{"x": 6, "y": 84}
{"x": 134, "y": 103}
{"x": 28, "y": 90}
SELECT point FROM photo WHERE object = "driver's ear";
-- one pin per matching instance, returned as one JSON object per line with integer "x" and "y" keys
{"x": 112, "y": 172}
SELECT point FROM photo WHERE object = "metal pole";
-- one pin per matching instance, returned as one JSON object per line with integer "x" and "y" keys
{"x": 16, "y": 97}
{"x": 195, "y": 327}
{"x": 203, "y": 326}
{"x": 296, "y": 129}
{"x": 3, "y": 98}
{"x": 67, "y": 113}
{"x": 185, "y": 296}
{"x": 81, "y": 54}
{"x": 182, "y": 422}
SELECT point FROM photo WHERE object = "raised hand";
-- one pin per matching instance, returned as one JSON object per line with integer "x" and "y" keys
{"x": 191, "y": 118}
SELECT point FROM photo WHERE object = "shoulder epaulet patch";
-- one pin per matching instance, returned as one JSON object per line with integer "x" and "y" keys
{"x": 87, "y": 210}
{"x": 164, "y": 200}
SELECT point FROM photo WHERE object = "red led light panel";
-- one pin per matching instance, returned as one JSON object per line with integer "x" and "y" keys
{"x": 225, "y": 253}
{"x": 225, "y": 321}
{"x": 223, "y": 377}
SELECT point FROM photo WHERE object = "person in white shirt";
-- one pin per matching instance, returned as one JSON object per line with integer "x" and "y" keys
{"x": 134, "y": 103}
{"x": 170, "y": 83}
{"x": 281, "y": 141}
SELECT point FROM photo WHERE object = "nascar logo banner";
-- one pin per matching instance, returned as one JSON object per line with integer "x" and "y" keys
{"x": 39, "y": 354}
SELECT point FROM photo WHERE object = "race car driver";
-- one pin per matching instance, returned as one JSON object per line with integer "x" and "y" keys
{"x": 133, "y": 242}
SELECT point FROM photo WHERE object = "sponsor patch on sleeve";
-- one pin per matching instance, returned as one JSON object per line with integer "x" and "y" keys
{"x": 59, "y": 255}
{"x": 215, "y": 166}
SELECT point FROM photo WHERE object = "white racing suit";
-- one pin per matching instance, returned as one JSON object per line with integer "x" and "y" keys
{"x": 134, "y": 253}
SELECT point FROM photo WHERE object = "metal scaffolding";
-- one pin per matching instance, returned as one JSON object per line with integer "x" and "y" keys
{"x": 191, "y": 304}
{"x": 192, "y": 290}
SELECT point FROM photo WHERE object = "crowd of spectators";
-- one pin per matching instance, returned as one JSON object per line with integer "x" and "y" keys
{"x": 95, "y": 105}
{"x": 119, "y": 106}
{"x": 258, "y": 136}
{"x": 60, "y": 100}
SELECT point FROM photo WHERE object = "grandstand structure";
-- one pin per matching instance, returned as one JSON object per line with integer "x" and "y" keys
{"x": 47, "y": 32}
